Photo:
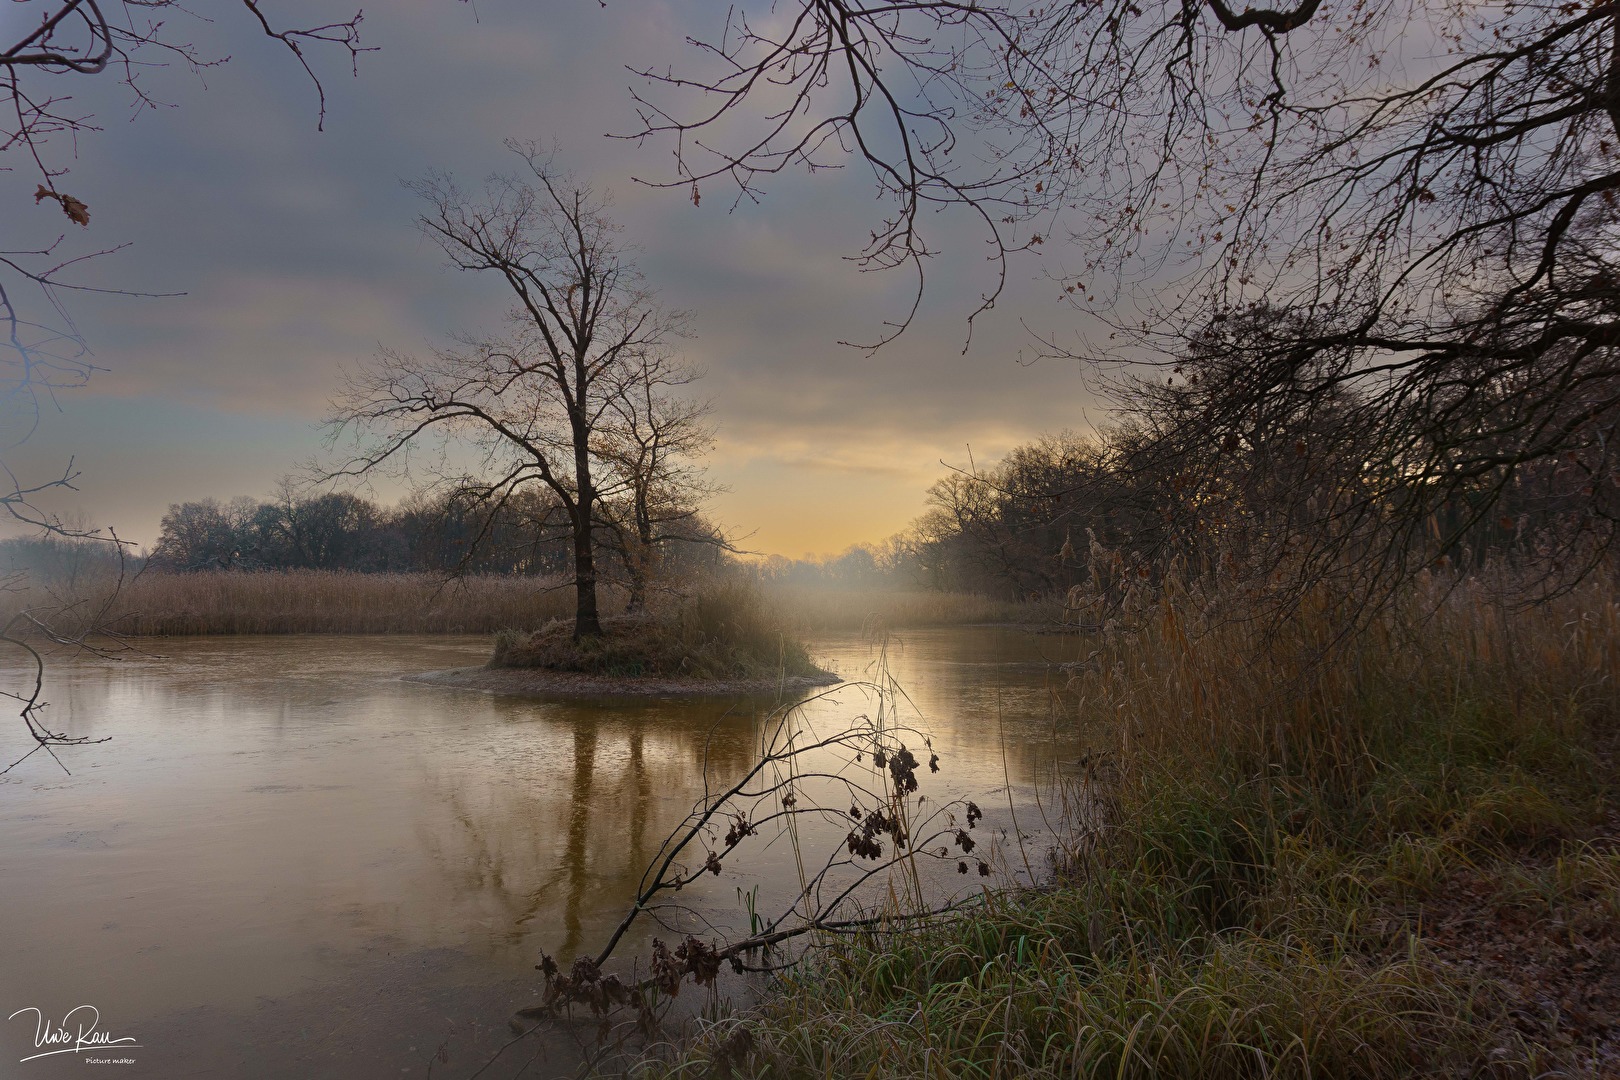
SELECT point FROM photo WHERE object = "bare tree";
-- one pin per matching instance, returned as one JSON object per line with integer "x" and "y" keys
{"x": 584, "y": 327}
{"x": 1428, "y": 189}
{"x": 649, "y": 444}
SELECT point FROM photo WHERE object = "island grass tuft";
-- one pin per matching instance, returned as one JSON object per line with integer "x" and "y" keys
{"x": 722, "y": 631}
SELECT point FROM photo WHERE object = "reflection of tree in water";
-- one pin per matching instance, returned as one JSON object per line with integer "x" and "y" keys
{"x": 548, "y": 835}
{"x": 557, "y": 830}
{"x": 576, "y": 854}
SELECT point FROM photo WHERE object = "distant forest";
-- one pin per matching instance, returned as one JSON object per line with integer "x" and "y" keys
{"x": 455, "y": 532}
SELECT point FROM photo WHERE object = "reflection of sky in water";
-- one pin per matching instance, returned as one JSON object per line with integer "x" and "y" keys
{"x": 279, "y": 817}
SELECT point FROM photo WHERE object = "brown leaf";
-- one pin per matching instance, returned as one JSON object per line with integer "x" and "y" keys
{"x": 76, "y": 211}
{"x": 696, "y": 197}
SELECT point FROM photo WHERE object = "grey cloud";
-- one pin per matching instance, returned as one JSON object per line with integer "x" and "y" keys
{"x": 299, "y": 256}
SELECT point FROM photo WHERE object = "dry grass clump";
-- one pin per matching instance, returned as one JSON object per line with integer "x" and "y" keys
{"x": 328, "y": 602}
{"x": 819, "y": 608}
{"x": 1389, "y": 853}
{"x": 724, "y": 630}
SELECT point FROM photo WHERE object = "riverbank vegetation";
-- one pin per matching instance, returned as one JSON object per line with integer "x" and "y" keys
{"x": 1291, "y": 852}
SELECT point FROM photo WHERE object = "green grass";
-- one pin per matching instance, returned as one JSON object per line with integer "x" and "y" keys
{"x": 1021, "y": 991}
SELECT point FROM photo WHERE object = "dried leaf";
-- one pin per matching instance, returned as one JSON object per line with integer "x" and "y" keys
{"x": 75, "y": 209}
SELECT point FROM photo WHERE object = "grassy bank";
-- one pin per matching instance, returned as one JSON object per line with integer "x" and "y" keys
{"x": 1398, "y": 861}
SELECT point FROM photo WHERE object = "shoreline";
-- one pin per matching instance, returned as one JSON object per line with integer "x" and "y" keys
{"x": 534, "y": 682}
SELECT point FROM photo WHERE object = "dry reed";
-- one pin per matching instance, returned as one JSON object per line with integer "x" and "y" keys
{"x": 326, "y": 602}
{"x": 346, "y": 602}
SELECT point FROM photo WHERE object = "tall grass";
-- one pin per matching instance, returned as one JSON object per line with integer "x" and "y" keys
{"x": 323, "y": 602}
{"x": 346, "y": 602}
{"x": 1273, "y": 809}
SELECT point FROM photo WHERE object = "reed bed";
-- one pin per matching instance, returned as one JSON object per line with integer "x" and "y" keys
{"x": 1389, "y": 853}
{"x": 327, "y": 602}
{"x": 347, "y": 602}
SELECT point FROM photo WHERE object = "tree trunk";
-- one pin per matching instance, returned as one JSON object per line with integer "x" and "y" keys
{"x": 587, "y": 622}
{"x": 638, "y": 563}
{"x": 637, "y": 572}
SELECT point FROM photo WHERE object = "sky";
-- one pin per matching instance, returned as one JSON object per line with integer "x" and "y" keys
{"x": 298, "y": 257}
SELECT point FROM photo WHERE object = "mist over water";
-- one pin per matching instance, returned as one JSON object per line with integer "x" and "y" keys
{"x": 290, "y": 863}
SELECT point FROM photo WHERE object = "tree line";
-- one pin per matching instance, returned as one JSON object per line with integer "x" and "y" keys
{"x": 1143, "y": 492}
{"x": 1309, "y": 492}
{"x": 450, "y": 532}
{"x": 1203, "y": 471}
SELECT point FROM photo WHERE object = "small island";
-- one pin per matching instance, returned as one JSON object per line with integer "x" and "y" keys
{"x": 721, "y": 641}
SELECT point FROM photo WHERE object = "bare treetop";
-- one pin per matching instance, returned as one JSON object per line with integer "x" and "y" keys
{"x": 1409, "y": 204}
{"x": 1250, "y": 149}
{"x": 537, "y": 402}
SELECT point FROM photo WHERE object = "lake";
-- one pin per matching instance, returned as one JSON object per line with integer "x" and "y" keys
{"x": 290, "y": 863}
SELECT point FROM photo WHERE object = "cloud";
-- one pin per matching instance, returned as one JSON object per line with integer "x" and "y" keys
{"x": 298, "y": 255}
{"x": 255, "y": 342}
